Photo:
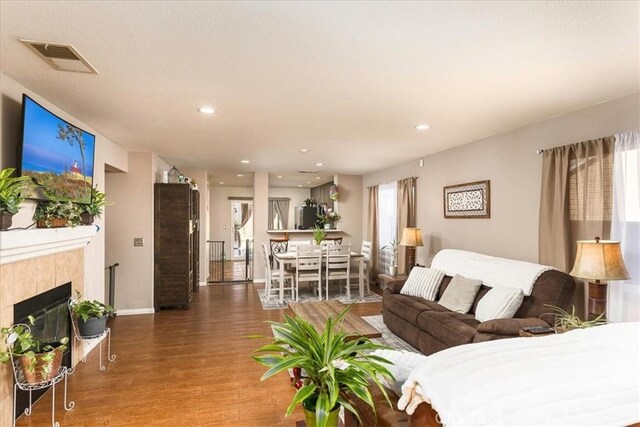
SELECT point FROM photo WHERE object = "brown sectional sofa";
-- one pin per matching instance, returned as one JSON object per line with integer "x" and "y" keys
{"x": 430, "y": 327}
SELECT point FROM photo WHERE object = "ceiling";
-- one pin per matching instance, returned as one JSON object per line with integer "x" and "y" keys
{"x": 219, "y": 178}
{"x": 347, "y": 80}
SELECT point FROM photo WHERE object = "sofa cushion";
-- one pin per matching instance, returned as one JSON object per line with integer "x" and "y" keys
{"x": 408, "y": 307}
{"x": 500, "y": 302}
{"x": 423, "y": 282}
{"x": 460, "y": 294}
{"x": 448, "y": 327}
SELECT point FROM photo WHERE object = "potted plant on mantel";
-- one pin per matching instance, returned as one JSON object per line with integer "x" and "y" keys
{"x": 13, "y": 191}
{"x": 38, "y": 361}
{"x": 56, "y": 214}
{"x": 93, "y": 210}
{"x": 92, "y": 316}
{"x": 393, "y": 248}
{"x": 318, "y": 234}
{"x": 328, "y": 369}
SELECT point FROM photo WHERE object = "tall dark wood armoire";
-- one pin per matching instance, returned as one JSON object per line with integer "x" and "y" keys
{"x": 176, "y": 261}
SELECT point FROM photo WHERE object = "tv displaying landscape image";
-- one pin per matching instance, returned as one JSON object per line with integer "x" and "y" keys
{"x": 56, "y": 154}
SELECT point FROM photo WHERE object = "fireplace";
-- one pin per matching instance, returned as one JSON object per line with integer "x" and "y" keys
{"x": 51, "y": 324}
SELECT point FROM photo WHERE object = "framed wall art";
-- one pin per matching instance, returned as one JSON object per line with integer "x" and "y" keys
{"x": 469, "y": 200}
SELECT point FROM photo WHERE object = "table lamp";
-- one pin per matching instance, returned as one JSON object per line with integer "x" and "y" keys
{"x": 599, "y": 260}
{"x": 411, "y": 237}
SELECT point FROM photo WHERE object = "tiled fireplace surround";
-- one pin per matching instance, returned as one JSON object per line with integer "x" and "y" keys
{"x": 24, "y": 279}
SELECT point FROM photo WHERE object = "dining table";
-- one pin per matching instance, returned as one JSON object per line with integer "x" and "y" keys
{"x": 284, "y": 258}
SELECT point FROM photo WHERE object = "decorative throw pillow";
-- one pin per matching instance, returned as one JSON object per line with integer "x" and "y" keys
{"x": 423, "y": 282}
{"x": 500, "y": 302}
{"x": 460, "y": 294}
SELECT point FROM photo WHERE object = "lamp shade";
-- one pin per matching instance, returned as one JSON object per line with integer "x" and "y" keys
{"x": 411, "y": 237}
{"x": 599, "y": 260}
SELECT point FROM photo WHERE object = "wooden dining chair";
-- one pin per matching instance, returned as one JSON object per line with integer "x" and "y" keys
{"x": 273, "y": 276}
{"x": 338, "y": 266}
{"x": 309, "y": 267}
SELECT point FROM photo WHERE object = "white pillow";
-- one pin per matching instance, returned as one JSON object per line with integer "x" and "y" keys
{"x": 500, "y": 302}
{"x": 423, "y": 282}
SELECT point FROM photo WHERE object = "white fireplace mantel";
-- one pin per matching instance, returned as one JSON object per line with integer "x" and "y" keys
{"x": 18, "y": 245}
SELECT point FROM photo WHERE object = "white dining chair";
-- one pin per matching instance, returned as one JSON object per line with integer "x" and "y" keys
{"x": 309, "y": 267}
{"x": 294, "y": 244}
{"x": 366, "y": 261}
{"x": 338, "y": 266}
{"x": 273, "y": 276}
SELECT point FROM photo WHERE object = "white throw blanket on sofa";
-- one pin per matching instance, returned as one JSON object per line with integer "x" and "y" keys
{"x": 493, "y": 271}
{"x": 583, "y": 377}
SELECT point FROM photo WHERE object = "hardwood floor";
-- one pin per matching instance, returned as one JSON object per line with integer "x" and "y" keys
{"x": 182, "y": 368}
{"x": 234, "y": 271}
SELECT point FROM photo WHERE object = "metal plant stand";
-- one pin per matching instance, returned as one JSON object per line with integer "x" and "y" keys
{"x": 105, "y": 334}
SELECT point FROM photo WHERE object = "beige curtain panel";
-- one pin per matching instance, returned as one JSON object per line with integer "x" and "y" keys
{"x": 406, "y": 216}
{"x": 576, "y": 199}
{"x": 372, "y": 233}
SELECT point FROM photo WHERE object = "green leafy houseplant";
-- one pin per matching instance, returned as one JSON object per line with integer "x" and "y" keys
{"x": 329, "y": 370}
{"x": 565, "y": 321}
{"x": 309, "y": 202}
{"x": 92, "y": 316}
{"x": 319, "y": 234}
{"x": 13, "y": 191}
{"x": 56, "y": 213}
{"x": 94, "y": 209}
{"x": 329, "y": 218}
{"x": 39, "y": 361}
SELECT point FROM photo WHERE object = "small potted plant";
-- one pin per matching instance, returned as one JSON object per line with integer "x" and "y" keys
{"x": 329, "y": 219}
{"x": 92, "y": 316}
{"x": 319, "y": 234}
{"x": 13, "y": 191}
{"x": 56, "y": 214}
{"x": 328, "y": 368}
{"x": 93, "y": 210}
{"x": 309, "y": 202}
{"x": 393, "y": 248}
{"x": 38, "y": 361}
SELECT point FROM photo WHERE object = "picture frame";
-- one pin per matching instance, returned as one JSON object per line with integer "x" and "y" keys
{"x": 468, "y": 200}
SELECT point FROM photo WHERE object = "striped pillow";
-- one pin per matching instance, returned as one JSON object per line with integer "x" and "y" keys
{"x": 423, "y": 282}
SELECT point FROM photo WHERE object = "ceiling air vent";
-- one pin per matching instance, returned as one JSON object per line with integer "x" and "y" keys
{"x": 62, "y": 57}
{"x": 308, "y": 171}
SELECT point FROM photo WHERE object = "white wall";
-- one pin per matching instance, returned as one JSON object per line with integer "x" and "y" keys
{"x": 220, "y": 213}
{"x": 107, "y": 153}
{"x": 260, "y": 215}
{"x": 349, "y": 207}
{"x": 510, "y": 161}
{"x": 200, "y": 176}
{"x": 296, "y": 197}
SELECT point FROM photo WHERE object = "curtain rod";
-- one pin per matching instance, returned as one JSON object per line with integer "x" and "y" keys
{"x": 539, "y": 151}
{"x": 390, "y": 182}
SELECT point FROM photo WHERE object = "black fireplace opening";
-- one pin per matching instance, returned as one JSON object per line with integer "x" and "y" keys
{"x": 52, "y": 323}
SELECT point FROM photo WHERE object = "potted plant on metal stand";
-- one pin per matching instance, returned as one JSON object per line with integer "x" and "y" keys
{"x": 13, "y": 191}
{"x": 328, "y": 369}
{"x": 92, "y": 316}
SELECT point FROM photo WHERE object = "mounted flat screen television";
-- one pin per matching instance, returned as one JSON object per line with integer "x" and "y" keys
{"x": 56, "y": 154}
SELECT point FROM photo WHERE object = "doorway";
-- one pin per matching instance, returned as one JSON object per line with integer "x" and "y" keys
{"x": 242, "y": 229}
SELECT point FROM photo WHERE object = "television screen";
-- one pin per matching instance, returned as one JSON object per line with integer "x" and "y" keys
{"x": 56, "y": 154}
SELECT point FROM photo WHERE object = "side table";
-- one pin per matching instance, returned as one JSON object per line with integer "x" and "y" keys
{"x": 386, "y": 280}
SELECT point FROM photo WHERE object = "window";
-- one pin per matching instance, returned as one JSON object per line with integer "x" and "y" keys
{"x": 387, "y": 222}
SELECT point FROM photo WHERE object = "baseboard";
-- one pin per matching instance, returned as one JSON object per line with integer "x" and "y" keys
{"x": 202, "y": 284}
{"x": 259, "y": 280}
{"x": 134, "y": 311}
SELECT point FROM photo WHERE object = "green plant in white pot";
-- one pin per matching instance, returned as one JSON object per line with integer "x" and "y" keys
{"x": 92, "y": 316}
{"x": 38, "y": 361}
{"x": 392, "y": 247}
{"x": 329, "y": 369}
{"x": 13, "y": 191}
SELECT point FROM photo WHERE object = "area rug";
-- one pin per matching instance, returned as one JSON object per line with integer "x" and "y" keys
{"x": 306, "y": 295}
{"x": 388, "y": 338}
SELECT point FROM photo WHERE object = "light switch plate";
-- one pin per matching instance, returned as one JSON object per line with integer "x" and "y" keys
{"x": 138, "y": 242}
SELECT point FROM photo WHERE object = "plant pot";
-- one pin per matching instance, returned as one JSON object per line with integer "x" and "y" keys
{"x": 92, "y": 327}
{"x": 86, "y": 219}
{"x": 44, "y": 370}
{"x": 310, "y": 418}
{"x": 393, "y": 270}
{"x": 5, "y": 221}
{"x": 53, "y": 223}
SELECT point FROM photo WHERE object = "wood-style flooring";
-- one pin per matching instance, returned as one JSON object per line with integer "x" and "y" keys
{"x": 234, "y": 271}
{"x": 182, "y": 368}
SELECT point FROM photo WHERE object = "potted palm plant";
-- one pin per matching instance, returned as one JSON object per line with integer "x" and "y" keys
{"x": 38, "y": 361}
{"x": 93, "y": 210}
{"x": 13, "y": 191}
{"x": 92, "y": 316}
{"x": 392, "y": 246}
{"x": 328, "y": 368}
{"x": 318, "y": 234}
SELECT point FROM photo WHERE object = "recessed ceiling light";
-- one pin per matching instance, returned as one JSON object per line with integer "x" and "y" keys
{"x": 319, "y": 164}
{"x": 207, "y": 110}
{"x": 240, "y": 174}
{"x": 280, "y": 176}
{"x": 245, "y": 161}
{"x": 299, "y": 185}
{"x": 422, "y": 126}
{"x": 318, "y": 177}
{"x": 304, "y": 150}
{"x": 308, "y": 182}
{"x": 221, "y": 182}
